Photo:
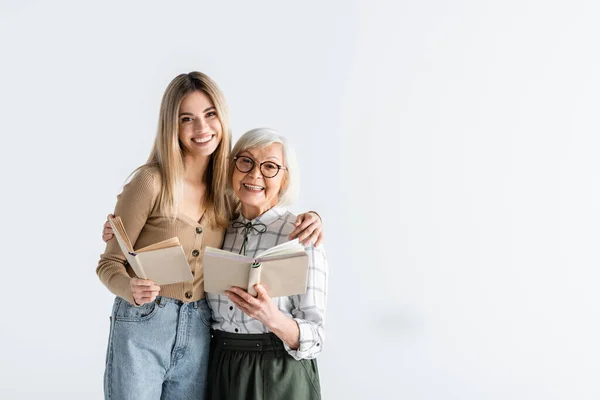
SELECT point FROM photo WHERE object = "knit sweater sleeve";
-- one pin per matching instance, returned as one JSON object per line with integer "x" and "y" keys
{"x": 134, "y": 206}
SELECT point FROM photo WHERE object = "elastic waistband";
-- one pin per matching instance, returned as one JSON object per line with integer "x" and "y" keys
{"x": 247, "y": 342}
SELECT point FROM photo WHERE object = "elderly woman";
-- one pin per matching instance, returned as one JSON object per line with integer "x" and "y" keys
{"x": 263, "y": 347}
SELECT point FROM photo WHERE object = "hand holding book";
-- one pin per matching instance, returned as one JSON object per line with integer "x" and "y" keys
{"x": 143, "y": 290}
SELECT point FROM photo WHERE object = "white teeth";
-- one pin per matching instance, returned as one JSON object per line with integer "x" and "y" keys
{"x": 252, "y": 187}
{"x": 202, "y": 140}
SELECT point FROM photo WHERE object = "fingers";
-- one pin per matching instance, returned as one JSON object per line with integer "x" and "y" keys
{"x": 146, "y": 296}
{"x": 236, "y": 299}
{"x": 234, "y": 296}
{"x": 107, "y": 232}
{"x": 308, "y": 221}
{"x": 143, "y": 290}
{"x": 306, "y": 234}
{"x": 143, "y": 285}
{"x": 308, "y": 239}
{"x": 242, "y": 294}
{"x": 319, "y": 239}
{"x": 109, "y": 216}
{"x": 145, "y": 293}
{"x": 261, "y": 291}
{"x": 141, "y": 282}
{"x": 144, "y": 299}
{"x": 240, "y": 303}
{"x": 303, "y": 221}
{"x": 296, "y": 230}
{"x": 299, "y": 219}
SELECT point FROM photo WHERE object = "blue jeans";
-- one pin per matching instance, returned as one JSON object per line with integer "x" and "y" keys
{"x": 158, "y": 350}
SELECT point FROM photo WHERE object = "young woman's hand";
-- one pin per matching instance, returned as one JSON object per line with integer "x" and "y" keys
{"x": 143, "y": 290}
{"x": 309, "y": 229}
{"x": 107, "y": 232}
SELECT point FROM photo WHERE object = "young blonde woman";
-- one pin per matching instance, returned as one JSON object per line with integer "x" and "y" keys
{"x": 159, "y": 336}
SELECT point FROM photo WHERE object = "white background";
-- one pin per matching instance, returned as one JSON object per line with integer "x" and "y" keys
{"x": 451, "y": 147}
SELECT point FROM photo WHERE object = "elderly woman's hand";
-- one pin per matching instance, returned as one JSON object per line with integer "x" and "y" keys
{"x": 309, "y": 229}
{"x": 260, "y": 307}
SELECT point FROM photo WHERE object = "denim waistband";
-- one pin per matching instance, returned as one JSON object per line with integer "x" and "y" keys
{"x": 161, "y": 301}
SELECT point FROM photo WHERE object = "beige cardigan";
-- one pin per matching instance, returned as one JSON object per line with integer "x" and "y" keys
{"x": 136, "y": 206}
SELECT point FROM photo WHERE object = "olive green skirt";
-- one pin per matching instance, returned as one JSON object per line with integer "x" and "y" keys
{"x": 257, "y": 367}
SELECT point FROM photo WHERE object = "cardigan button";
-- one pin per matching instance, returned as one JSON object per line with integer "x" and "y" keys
{"x": 198, "y": 230}
{"x": 188, "y": 295}
{"x": 195, "y": 253}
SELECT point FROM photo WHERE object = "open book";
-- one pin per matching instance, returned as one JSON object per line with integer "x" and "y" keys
{"x": 282, "y": 270}
{"x": 163, "y": 262}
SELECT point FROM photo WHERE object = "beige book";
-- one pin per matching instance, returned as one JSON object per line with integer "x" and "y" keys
{"x": 163, "y": 262}
{"x": 282, "y": 270}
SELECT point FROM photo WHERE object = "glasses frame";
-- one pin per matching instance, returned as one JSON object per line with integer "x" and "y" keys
{"x": 279, "y": 167}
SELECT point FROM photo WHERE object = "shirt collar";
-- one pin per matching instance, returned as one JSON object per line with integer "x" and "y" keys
{"x": 266, "y": 218}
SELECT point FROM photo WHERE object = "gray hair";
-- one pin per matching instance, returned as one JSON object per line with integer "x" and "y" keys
{"x": 263, "y": 137}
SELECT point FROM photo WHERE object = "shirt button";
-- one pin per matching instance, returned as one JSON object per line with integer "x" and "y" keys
{"x": 195, "y": 253}
{"x": 198, "y": 230}
{"x": 230, "y": 308}
{"x": 236, "y": 330}
{"x": 188, "y": 295}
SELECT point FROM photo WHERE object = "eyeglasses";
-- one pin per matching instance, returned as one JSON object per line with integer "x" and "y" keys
{"x": 268, "y": 168}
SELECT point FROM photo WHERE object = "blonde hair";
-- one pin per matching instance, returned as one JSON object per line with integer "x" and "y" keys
{"x": 263, "y": 137}
{"x": 167, "y": 153}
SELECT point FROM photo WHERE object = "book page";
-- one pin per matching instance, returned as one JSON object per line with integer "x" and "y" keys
{"x": 165, "y": 244}
{"x": 291, "y": 247}
{"x": 213, "y": 252}
{"x": 121, "y": 235}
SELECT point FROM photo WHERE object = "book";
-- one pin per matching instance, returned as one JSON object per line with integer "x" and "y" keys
{"x": 163, "y": 262}
{"x": 282, "y": 270}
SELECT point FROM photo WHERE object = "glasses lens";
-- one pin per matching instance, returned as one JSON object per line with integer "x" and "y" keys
{"x": 244, "y": 164}
{"x": 269, "y": 169}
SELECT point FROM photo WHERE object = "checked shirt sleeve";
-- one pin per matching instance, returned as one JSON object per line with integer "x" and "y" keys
{"x": 309, "y": 308}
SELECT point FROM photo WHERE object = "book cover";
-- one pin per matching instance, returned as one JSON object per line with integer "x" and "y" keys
{"x": 282, "y": 270}
{"x": 163, "y": 262}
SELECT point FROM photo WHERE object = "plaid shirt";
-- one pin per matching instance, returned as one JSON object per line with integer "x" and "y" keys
{"x": 308, "y": 309}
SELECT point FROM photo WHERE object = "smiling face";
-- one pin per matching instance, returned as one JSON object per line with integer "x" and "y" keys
{"x": 257, "y": 193}
{"x": 200, "y": 129}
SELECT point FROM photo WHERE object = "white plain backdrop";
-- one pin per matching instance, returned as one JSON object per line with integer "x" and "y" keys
{"x": 450, "y": 146}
